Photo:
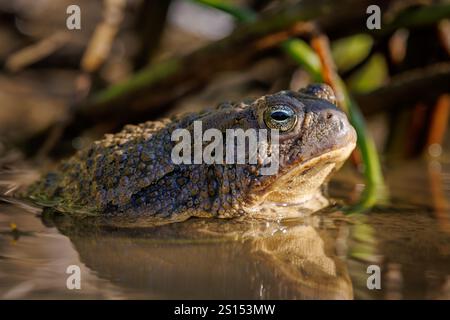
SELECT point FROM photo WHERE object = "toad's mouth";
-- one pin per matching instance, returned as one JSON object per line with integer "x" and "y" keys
{"x": 304, "y": 181}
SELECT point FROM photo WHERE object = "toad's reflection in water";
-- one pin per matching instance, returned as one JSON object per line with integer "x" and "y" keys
{"x": 213, "y": 259}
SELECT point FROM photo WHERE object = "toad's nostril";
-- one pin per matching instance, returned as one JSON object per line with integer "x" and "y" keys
{"x": 341, "y": 125}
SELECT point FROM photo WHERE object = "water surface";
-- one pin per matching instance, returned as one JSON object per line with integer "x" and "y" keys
{"x": 324, "y": 256}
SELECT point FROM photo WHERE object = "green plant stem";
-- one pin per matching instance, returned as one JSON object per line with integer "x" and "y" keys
{"x": 240, "y": 14}
{"x": 140, "y": 80}
{"x": 302, "y": 54}
{"x": 416, "y": 17}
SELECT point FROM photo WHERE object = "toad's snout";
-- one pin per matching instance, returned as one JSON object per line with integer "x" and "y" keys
{"x": 341, "y": 129}
{"x": 326, "y": 128}
{"x": 338, "y": 130}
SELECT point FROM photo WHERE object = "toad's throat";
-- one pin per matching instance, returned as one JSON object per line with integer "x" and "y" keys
{"x": 300, "y": 183}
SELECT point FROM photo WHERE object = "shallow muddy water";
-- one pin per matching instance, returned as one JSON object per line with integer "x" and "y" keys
{"x": 322, "y": 256}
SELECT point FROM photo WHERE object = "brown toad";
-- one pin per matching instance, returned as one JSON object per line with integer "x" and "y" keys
{"x": 130, "y": 178}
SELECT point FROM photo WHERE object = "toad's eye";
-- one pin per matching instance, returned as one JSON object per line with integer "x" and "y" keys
{"x": 280, "y": 117}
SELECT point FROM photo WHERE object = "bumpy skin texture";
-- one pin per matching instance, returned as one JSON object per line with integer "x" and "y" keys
{"x": 130, "y": 175}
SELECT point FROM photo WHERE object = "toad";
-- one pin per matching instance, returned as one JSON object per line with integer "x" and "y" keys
{"x": 130, "y": 179}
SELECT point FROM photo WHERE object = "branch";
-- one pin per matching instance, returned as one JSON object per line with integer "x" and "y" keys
{"x": 423, "y": 84}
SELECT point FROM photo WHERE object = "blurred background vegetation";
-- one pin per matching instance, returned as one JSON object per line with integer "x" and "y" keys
{"x": 140, "y": 60}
